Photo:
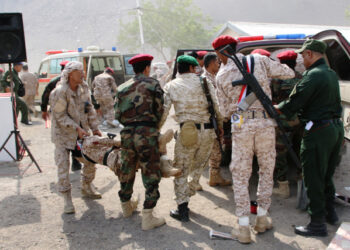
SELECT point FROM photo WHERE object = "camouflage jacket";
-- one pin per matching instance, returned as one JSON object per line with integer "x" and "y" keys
{"x": 228, "y": 96}
{"x": 281, "y": 89}
{"x": 139, "y": 100}
{"x": 70, "y": 110}
{"x": 104, "y": 86}
{"x": 6, "y": 83}
{"x": 190, "y": 103}
{"x": 30, "y": 83}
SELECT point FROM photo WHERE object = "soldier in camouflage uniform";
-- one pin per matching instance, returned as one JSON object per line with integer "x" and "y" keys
{"x": 104, "y": 90}
{"x": 211, "y": 67}
{"x": 195, "y": 140}
{"x": 31, "y": 85}
{"x": 281, "y": 90}
{"x": 6, "y": 85}
{"x": 253, "y": 132}
{"x": 73, "y": 117}
{"x": 139, "y": 108}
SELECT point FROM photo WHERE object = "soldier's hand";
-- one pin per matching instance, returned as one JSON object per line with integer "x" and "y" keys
{"x": 45, "y": 115}
{"x": 7, "y": 89}
{"x": 221, "y": 132}
{"x": 81, "y": 133}
{"x": 97, "y": 132}
{"x": 99, "y": 112}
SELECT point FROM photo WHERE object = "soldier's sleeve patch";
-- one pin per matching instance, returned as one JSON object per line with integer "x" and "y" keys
{"x": 60, "y": 105}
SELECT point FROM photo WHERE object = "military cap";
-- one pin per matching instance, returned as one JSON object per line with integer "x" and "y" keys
{"x": 109, "y": 70}
{"x": 262, "y": 52}
{"x": 63, "y": 63}
{"x": 17, "y": 63}
{"x": 140, "y": 58}
{"x": 222, "y": 41}
{"x": 314, "y": 45}
{"x": 201, "y": 53}
{"x": 287, "y": 55}
{"x": 1, "y": 70}
{"x": 187, "y": 59}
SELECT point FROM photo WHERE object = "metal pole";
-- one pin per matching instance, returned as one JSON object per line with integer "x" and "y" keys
{"x": 139, "y": 13}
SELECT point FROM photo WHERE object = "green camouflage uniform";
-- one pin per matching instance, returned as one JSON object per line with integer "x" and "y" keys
{"x": 139, "y": 108}
{"x": 20, "y": 104}
{"x": 281, "y": 90}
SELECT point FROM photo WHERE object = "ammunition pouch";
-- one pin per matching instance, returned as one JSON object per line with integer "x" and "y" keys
{"x": 188, "y": 134}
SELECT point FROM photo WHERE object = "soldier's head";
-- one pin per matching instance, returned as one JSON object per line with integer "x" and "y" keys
{"x": 63, "y": 64}
{"x": 109, "y": 71}
{"x": 312, "y": 50}
{"x": 211, "y": 63}
{"x": 288, "y": 57}
{"x": 25, "y": 67}
{"x": 141, "y": 64}
{"x": 73, "y": 74}
{"x": 262, "y": 52}
{"x": 18, "y": 66}
{"x": 186, "y": 64}
{"x": 221, "y": 42}
{"x": 199, "y": 55}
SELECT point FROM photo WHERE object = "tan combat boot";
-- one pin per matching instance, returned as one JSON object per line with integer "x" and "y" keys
{"x": 242, "y": 234}
{"x": 149, "y": 221}
{"x": 166, "y": 168}
{"x": 68, "y": 203}
{"x": 215, "y": 179}
{"x": 282, "y": 190}
{"x": 88, "y": 191}
{"x": 129, "y": 207}
{"x": 262, "y": 223}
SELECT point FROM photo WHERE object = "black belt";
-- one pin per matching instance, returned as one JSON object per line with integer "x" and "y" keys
{"x": 322, "y": 122}
{"x": 141, "y": 123}
{"x": 198, "y": 125}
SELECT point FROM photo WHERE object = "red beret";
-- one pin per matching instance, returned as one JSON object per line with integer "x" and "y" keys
{"x": 109, "y": 70}
{"x": 140, "y": 58}
{"x": 262, "y": 52}
{"x": 1, "y": 70}
{"x": 63, "y": 63}
{"x": 201, "y": 53}
{"x": 287, "y": 55}
{"x": 222, "y": 41}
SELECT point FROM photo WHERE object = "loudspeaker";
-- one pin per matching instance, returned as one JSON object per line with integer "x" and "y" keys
{"x": 12, "y": 43}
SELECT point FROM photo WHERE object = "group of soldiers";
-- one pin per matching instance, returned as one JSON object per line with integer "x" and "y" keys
{"x": 25, "y": 87}
{"x": 308, "y": 104}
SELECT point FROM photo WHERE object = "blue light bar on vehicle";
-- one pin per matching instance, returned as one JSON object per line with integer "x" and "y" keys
{"x": 114, "y": 48}
{"x": 291, "y": 36}
{"x": 281, "y": 36}
{"x": 80, "y": 49}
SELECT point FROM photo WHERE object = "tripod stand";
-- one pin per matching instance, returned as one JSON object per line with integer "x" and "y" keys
{"x": 19, "y": 140}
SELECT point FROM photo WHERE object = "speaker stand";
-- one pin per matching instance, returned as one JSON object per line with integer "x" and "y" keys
{"x": 16, "y": 133}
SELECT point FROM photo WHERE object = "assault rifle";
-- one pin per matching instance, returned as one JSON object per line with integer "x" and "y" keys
{"x": 213, "y": 116}
{"x": 253, "y": 84}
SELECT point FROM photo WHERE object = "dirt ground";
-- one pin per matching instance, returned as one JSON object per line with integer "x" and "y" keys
{"x": 31, "y": 210}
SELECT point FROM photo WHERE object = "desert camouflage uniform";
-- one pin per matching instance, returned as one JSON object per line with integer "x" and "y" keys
{"x": 190, "y": 104}
{"x": 31, "y": 84}
{"x": 215, "y": 156}
{"x": 281, "y": 90}
{"x": 139, "y": 108}
{"x": 71, "y": 110}
{"x": 254, "y": 136}
{"x": 104, "y": 90}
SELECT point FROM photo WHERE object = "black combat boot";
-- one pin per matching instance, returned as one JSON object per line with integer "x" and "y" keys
{"x": 181, "y": 213}
{"x": 76, "y": 165}
{"x": 316, "y": 227}
{"x": 331, "y": 217}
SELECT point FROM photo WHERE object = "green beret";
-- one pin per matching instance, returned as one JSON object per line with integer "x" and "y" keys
{"x": 187, "y": 59}
{"x": 314, "y": 45}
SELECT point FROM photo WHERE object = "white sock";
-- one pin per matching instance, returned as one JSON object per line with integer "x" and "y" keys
{"x": 261, "y": 211}
{"x": 243, "y": 221}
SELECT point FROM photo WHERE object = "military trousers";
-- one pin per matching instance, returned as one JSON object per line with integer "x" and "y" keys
{"x": 320, "y": 154}
{"x": 22, "y": 106}
{"x": 139, "y": 147}
{"x": 245, "y": 144}
{"x": 29, "y": 100}
{"x": 107, "y": 108}
{"x": 189, "y": 159}
{"x": 62, "y": 163}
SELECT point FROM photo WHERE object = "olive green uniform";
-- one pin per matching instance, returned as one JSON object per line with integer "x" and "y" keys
{"x": 316, "y": 98}
{"x": 20, "y": 104}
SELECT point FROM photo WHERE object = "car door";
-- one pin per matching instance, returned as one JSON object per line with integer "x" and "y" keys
{"x": 338, "y": 57}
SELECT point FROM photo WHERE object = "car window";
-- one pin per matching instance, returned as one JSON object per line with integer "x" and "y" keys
{"x": 128, "y": 67}
{"x": 338, "y": 60}
{"x": 43, "y": 69}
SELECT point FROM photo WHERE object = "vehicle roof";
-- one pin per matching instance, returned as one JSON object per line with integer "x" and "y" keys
{"x": 83, "y": 53}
